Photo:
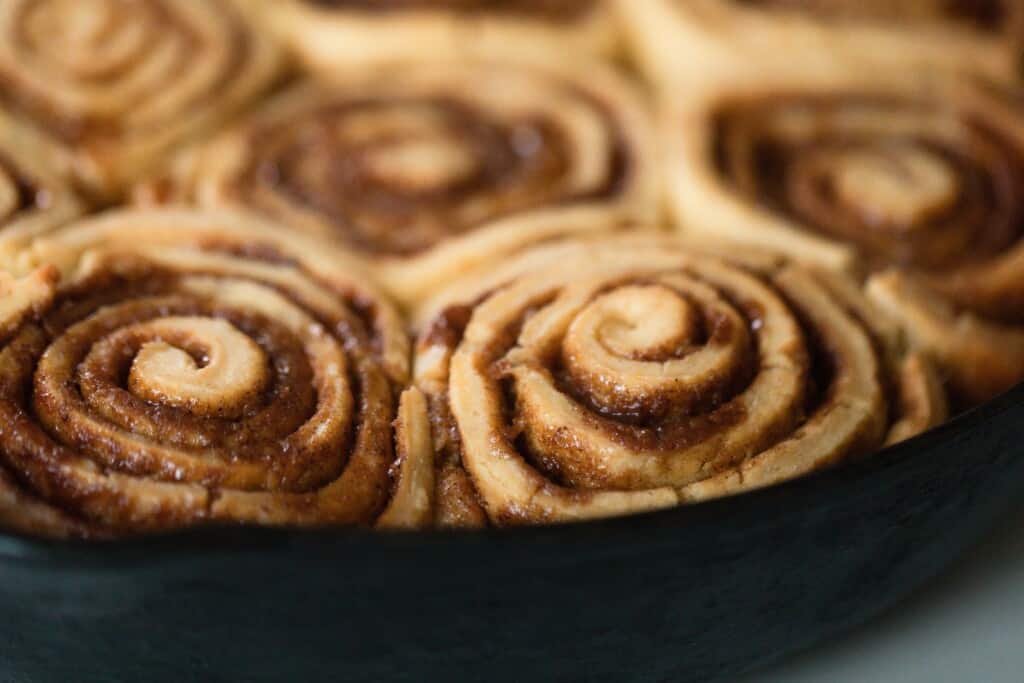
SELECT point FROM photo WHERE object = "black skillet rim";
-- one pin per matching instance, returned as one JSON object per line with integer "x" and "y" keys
{"x": 799, "y": 494}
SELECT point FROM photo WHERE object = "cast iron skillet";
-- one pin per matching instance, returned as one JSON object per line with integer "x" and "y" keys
{"x": 689, "y": 594}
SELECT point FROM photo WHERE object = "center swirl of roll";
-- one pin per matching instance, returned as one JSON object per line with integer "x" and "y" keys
{"x": 422, "y": 165}
{"x": 208, "y": 367}
{"x": 898, "y": 189}
{"x": 650, "y": 349}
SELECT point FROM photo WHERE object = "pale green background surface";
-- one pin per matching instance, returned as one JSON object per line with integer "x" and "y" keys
{"x": 966, "y": 626}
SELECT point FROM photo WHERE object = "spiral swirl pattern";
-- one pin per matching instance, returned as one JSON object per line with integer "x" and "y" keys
{"x": 195, "y": 367}
{"x": 921, "y": 178}
{"x": 116, "y": 82}
{"x": 425, "y": 168}
{"x": 624, "y": 375}
{"x": 910, "y": 182}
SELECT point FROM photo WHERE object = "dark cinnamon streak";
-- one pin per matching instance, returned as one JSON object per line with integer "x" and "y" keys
{"x": 448, "y": 327}
{"x": 984, "y": 15}
{"x": 549, "y": 10}
{"x": 29, "y": 195}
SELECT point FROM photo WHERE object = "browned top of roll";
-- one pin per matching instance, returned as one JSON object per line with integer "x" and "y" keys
{"x": 43, "y": 75}
{"x": 368, "y": 185}
{"x": 624, "y": 375}
{"x": 193, "y": 368}
{"x": 117, "y": 80}
{"x": 928, "y": 183}
{"x": 398, "y": 161}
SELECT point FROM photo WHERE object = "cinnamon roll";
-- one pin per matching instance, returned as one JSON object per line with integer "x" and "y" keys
{"x": 327, "y": 34}
{"x": 163, "y": 369}
{"x": 676, "y": 39}
{"x": 618, "y": 375}
{"x": 117, "y": 83}
{"x": 35, "y": 193}
{"x": 429, "y": 170}
{"x": 870, "y": 175}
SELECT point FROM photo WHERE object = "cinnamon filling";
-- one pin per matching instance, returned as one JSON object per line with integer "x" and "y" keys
{"x": 918, "y": 185}
{"x": 985, "y": 15}
{"x": 163, "y": 377}
{"x": 553, "y": 10}
{"x": 393, "y": 176}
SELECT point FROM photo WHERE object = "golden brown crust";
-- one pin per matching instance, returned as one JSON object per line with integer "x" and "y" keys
{"x": 412, "y": 497}
{"x": 863, "y": 174}
{"x": 982, "y": 358}
{"x": 23, "y": 513}
{"x": 429, "y": 170}
{"x": 116, "y": 84}
{"x": 332, "y": 35}
{"x": 196, "y": 367}
{"x": 25, "y": 298}
{"x": 922, "y": 399}
{"x": 618, "y": 375}
{"x": 675, "y": 41}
